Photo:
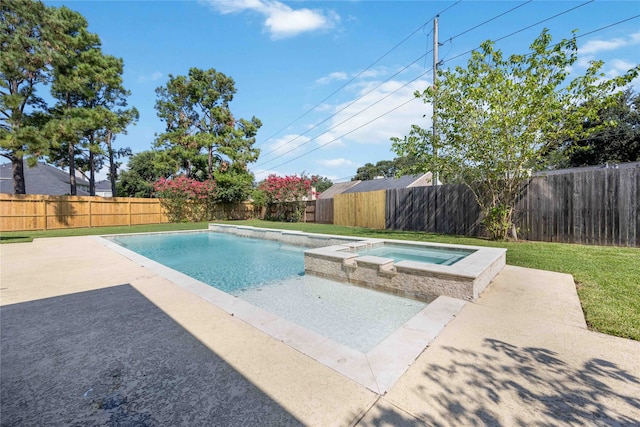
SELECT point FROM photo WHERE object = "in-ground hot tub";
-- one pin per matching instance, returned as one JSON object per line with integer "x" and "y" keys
{"x": 423, "y": 271}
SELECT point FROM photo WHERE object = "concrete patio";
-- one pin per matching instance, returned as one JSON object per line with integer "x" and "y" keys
{"x": 90, "y": 337}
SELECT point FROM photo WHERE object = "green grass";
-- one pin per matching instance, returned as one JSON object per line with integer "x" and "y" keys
{"x": 28, "y": 236}
{"x": 608, "y": 278}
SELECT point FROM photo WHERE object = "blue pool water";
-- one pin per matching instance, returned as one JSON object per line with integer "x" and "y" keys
{"x": 229, "y": 263}
{"x": 270, "y": 275}
{"x": 432, "y": 255}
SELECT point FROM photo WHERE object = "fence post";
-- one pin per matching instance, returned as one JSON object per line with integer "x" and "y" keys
{"x": 129, "y": 206}
{"x": 90, "y": 214}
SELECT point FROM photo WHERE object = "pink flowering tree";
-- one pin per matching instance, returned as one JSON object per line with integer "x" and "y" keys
{"x": 186, "y": 199}
{"x": 285, "y": 196}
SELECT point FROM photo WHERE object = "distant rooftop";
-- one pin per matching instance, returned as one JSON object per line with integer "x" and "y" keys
{"x": 377, "y": 184}
{"x": 42, "y": 179}
{"x": 391, "y": 183}
{"x": 589, "y": 168}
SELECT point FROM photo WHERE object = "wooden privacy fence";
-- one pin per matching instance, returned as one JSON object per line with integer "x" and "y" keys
{"x": 597, "y": 206}
{"x": 37, "y": 212}
{"x": 360, "y": 209}
{"x": 447, "y": 209}
{"x": 324, "y": 211}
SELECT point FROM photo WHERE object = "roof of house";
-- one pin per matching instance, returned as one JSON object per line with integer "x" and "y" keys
{"x": 384, "y": 184}
{"x": 377, "y": 184}
{"x": 337, "y": 188}
{"x": 41, "y": 179}
{"x": 104, "y": 185}
{"x": 589, "y": 168}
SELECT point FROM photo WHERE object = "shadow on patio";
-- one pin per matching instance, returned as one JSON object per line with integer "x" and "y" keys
{"x": 110, "y": 356}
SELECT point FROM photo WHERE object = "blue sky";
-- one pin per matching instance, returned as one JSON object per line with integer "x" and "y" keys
{"x": 287, "y": 57}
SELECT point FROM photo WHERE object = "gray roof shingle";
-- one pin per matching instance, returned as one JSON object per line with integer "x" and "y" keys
{"x": 42, "y": 179}
{"x": 383, "y": 184}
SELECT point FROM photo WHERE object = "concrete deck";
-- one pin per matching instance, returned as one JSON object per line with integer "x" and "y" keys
{"x": 91, "y": 337}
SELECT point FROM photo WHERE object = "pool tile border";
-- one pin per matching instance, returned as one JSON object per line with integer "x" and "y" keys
{"x": 376, "y": 370}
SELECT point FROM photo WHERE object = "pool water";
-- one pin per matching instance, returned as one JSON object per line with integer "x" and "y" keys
{"x": 270, "y": 275}
{"x": 229, "y": 263}
{"x": 432, "y": 255}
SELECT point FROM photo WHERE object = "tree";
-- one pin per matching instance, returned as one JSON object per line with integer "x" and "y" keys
{"x": 499, "y": 116}
{"x": 617, "y": 143}
{"x": 234, "y": 184}
{"x": 73, "y": 73}
{"x": 30, "y": 40}
{"x": 143, "y": 170}
{"x": 196, "y": 111}
{"x": 321, "y": 183}
{"x": 106, "y": 99}
{"x": 385, "y": 168}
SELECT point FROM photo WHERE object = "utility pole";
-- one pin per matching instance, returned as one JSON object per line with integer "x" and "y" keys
{"x": 434, "y": 142}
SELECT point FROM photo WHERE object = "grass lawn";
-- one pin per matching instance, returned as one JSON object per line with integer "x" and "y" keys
{"x": 608, "y": 278}
{"x": 27, "y": 236}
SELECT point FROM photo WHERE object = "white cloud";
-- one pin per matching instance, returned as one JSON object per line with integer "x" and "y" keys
{"x": 377, "y": 72}
{"x": 281, "y": 20}
{"x": 329, "y": 138}
{"x": 332, "y": 77}
{"x": 364, "y": 129}
{"x": 595, "y": 46}
{"x": 155, "y": 76}
{"x": 621, "y": 65}
{"x": 284, "y": 146}
{"x": 336, "y": 163}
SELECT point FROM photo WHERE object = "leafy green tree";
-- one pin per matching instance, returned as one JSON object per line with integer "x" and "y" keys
{"x": 143, "y": 170}
{"x": 30, "y": 39}
{"x": 198, "y": 119}
{"x": 619, "y": 142}
{"x": 234, "y": 184}
{"x": 385, "y": 168}
{"x": 498, "y": 117}
{"x": 321, "y": 183}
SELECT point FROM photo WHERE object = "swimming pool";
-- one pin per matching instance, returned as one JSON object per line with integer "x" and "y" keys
{"x": 279, "y": 310}
{"x": 270, "y": 275}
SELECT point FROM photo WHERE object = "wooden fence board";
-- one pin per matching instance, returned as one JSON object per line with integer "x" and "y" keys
{"x": 38, "y": 212}
{"x": 360, "y": 209}
{"x": 324, "y": 211}
{"x": 599, "y": 206}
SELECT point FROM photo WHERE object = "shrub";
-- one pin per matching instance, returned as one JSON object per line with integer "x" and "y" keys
{"x": 186, "y": 199}
{"x": 284, "y": 196}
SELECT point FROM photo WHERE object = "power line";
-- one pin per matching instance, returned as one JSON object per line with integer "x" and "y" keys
{"x": 346, "y": 120}
{"x": 526, "y": 28}
{"x": 359, "y": 74}
{"x": 380, "y": 84}
{"x": 382, "y": 115}
{"x": 348, "y": 105}
{"x": 345, "y": 134}
{"x": 489, "y": 20}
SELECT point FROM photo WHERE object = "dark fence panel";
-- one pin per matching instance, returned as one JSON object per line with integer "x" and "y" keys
{"x": 324, "y": 211}
{"x": 596, "y": 207}
{"x": 449, "y": 209}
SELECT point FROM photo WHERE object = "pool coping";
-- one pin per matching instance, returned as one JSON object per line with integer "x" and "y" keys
{"x": 377, "y": 370}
